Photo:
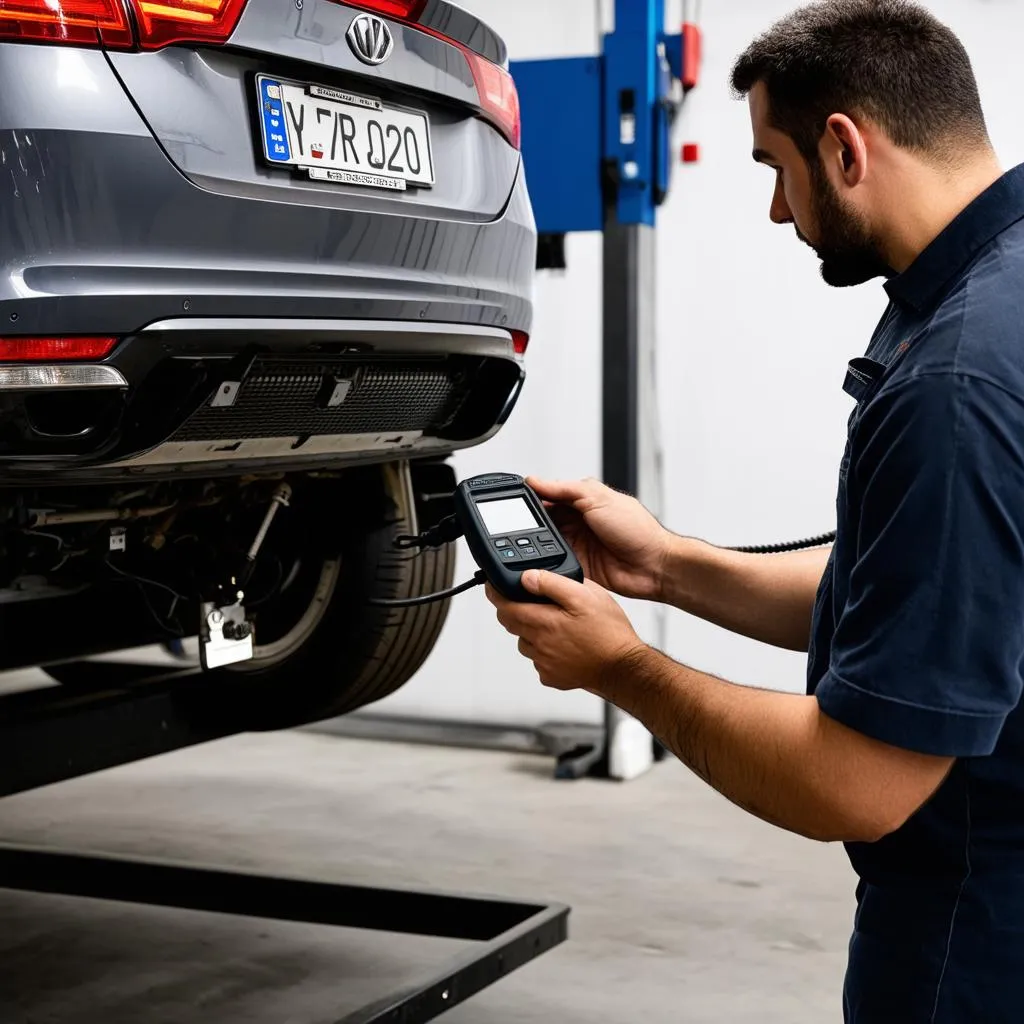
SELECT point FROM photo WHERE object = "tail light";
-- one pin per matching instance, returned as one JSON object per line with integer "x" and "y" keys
{"x": 403, "y": 10}
{"x": 163, "y": 22}
{"x": 83, "y": 22}
{"x": 50, "y": 350}
{"x": 520, "y": 339}
{"x": 499, "y": 100}
{"x": 91, "y": 22}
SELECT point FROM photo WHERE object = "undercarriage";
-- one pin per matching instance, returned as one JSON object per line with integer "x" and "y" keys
{"x": 277, "y": 575}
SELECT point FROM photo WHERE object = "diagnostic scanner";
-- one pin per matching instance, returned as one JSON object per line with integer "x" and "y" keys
{"x": 508, "y": 531}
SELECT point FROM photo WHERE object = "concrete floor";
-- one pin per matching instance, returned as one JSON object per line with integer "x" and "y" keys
{"x": 684, "y": 909}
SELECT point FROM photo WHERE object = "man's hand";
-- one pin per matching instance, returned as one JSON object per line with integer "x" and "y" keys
{"x": 575, "y": 642}
{"x": 618, "y": 542}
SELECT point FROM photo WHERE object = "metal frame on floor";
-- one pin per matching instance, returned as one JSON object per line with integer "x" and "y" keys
{"x": 511, "y": 933}
{"x": 54, "y": 734}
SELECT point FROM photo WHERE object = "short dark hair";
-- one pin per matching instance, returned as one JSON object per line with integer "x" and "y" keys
{"x": 890, "y": 61}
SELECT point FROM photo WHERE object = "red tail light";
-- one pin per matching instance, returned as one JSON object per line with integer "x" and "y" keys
{"x": 404, "y": 10}
{"x": 50, "y": 350}
{"x": 520, "y": 339}
{"x": 83, "y": 22}
{"x": 163, "y": 22}
{"x": 89, "y": 22}
{"x": 499, "y": 99}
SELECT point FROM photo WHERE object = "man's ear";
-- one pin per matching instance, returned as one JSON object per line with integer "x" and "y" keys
{"x": 844, "y": 150}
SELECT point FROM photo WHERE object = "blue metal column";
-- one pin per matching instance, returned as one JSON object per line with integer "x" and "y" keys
{"x": 632, "y": 87}
{"x": 614, "y": 114}
{"x": 631, "y": 100}
{"x": 632, "y": 83}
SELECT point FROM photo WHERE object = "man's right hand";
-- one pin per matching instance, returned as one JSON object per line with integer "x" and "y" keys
{"x": 617, "y": 541}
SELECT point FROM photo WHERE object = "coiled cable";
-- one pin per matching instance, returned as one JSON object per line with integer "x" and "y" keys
{"x": 793, "y": 545}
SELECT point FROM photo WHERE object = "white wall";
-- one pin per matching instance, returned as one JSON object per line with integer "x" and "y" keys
{"x": 753, "y": 349}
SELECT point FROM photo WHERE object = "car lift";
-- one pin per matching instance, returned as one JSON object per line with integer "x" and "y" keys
{"x": 53, "y": 734}
{"x": 618, "y": 109}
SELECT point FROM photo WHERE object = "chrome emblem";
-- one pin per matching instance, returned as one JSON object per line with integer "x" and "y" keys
{"x": 370, "y": 39}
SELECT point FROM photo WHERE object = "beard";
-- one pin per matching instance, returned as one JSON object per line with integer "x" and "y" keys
{"x": 849, "y": 253}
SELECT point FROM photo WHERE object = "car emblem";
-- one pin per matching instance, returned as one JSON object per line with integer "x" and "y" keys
{"x": 370, "y": 39}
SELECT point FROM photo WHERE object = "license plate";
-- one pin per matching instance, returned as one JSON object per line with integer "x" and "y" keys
{"x": 333, "y": 135}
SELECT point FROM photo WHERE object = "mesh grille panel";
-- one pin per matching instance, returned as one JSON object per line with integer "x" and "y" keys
{"x": 287, "y": 399}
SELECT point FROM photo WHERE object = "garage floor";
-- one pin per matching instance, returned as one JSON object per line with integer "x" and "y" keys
{"x": 684, "y": 909}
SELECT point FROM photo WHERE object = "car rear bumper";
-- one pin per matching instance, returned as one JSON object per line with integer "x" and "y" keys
{"x": 220, "y": 396}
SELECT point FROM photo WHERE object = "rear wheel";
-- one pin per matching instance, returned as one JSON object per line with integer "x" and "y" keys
{"x": 321, "y": 648}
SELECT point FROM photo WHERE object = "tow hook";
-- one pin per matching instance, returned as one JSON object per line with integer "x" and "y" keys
{"x": 225, "y": 632}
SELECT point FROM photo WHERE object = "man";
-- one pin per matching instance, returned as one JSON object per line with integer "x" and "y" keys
{"x": 909, "y": 746}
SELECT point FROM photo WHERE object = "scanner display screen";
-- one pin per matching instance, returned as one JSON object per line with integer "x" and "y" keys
{"x": 509, "y": 515}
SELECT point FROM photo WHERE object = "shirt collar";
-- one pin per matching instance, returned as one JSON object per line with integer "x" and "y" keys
{"x": 996, "y": 209}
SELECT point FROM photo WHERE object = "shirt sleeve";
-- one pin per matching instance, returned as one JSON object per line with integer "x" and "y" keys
{"x": 928, "y": 648}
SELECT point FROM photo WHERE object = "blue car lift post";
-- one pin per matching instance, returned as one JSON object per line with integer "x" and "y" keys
{"x": 617, "y": 111}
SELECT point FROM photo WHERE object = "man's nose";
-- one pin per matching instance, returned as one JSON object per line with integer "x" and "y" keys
{"x": 780, "y": 212}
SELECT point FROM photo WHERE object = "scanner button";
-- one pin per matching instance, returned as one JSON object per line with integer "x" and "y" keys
{"x": 509, "y": 554}
{"x": 550, "y": 549}
{"x": 524, "y": 542}
{"x": 545, "y": 538}
{"x": 529, "y": 551}
{"x": 503, "y": 543}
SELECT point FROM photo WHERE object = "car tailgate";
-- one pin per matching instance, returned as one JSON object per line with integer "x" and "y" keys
{"x": 203, "y": 104}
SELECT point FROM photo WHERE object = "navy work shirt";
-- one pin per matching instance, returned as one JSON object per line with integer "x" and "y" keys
{"x": 918, "y": 634}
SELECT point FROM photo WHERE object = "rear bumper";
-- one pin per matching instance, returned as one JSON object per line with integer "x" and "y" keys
{"x": 221, "y": 396}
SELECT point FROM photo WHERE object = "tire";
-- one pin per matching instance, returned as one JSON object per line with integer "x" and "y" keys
{"x": 343, "y": 652}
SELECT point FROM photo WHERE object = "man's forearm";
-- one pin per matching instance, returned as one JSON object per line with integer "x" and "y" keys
{"x": 773, "y": 754}
{"x": 767, "y": 597}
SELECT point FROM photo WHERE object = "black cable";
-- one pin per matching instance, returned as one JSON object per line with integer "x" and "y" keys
{"x": 414, "y": 602}
{"x": 169, "y": 624}
{"x": 271, "y": 591}
{"x": 446, "y": 531}
{"x": 793, "y": 545}
{"x": 136, "y": 578}
{"x": 449, "y": 529}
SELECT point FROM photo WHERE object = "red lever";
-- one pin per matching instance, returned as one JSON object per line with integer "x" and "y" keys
{"x": 692, "y": 53}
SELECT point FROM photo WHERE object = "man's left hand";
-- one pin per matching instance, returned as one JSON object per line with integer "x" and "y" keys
{"x": 578, "y": 641}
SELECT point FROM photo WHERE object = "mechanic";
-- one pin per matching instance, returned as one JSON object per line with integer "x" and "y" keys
{"x": 909, "y": 746}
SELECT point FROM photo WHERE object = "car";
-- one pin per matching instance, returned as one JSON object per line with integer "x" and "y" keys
{"x": 266, "y": 265}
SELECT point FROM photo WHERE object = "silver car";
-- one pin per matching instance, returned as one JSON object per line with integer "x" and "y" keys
{"x": 265, "y": 265}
